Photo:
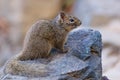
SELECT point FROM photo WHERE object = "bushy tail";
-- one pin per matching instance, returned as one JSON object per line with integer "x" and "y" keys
{"x": 25, "y": 68}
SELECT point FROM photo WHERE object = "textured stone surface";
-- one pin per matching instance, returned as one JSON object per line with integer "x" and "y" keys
{"x": 86, "y": 44}
{"x": 82, "y": 62}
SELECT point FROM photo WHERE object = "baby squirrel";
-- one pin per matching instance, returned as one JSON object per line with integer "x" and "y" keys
{"x": 47, "y": 34}
{"x": 40, "y": 39}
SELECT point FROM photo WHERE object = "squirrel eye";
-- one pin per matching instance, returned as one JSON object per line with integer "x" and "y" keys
{"x": 71, "y": 20}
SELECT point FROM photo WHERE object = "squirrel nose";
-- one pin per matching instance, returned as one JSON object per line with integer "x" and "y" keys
{"x": 79, "y": 23}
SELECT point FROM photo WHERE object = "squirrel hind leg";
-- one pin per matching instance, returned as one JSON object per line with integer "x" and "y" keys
{"x": 45, "y": 49}
{"x": 41, "y": 50}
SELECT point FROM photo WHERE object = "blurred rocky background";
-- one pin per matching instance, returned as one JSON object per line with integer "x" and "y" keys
{"x": 16, "y": 16}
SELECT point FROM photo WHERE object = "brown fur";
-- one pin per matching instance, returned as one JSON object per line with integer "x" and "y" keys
{"x": 47, "y": 34}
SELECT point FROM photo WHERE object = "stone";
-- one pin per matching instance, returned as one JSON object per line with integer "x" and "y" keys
{"x": 81, "y": 62}
{"x": 104, "y": 78}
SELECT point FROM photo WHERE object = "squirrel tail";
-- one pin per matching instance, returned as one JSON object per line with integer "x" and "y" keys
{"x": 25, "y": 68}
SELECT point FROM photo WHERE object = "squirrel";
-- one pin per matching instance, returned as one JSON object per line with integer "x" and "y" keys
{"x": 47, "y": 34}
{"x": 40, "y": 39}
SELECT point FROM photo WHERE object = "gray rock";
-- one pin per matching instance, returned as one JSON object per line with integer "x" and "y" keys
{"x": 86, "y": 44}
{"x": 66, "y": 64}
{"x": 82, "y": 62}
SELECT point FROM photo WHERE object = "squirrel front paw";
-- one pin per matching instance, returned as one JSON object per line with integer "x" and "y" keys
{"x": 65, "y": 50}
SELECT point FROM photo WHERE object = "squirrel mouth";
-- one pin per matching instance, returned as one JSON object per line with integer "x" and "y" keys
{"x": 74, "y": 26}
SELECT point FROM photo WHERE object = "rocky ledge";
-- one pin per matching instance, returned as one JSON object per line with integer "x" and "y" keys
{"x": 82, "y": 62}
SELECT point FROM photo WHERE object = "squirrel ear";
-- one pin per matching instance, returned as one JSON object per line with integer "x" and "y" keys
{"x": 62, "y": 15}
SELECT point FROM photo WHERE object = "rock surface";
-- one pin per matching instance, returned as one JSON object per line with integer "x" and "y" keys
{"x": 82, "y": 62}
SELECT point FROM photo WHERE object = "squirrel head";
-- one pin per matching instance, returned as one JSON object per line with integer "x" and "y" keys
{"x": 67, "y": 22}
